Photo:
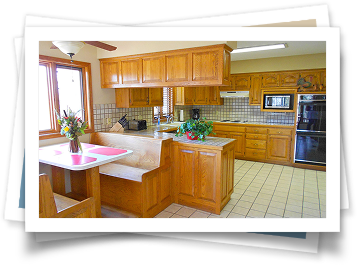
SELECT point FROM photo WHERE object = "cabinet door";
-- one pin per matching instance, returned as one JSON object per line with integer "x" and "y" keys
{"x": 177, "y": 67}
{"x": 241, "y": 82}
{"x": 311, "y": 76}
{"x": 255, "y": 90}
{"x": 206, "y": 176}
{"x": 139, "y": 97}
{"x": 156, "y": 96}
{"x": 289, "y": 79}
{"x": 279, "y": 147}
{"x": 214, "y": 96}
{"x": 201, "y": 95}
{"x": 205, "y": 65}
{"x": 186, "y": 176}
{"x": 179, "y": 96}
{"x": 153, "y": 69}
{"x": 109, "y": 74}
{"x": 270, "y": 80}
{"x": 131, "y": 71}
{"x": 221, "y": 134}
{"x": 189, "y": 95}
{"x": 226, "y": 67}
{"x": 239, "y": 146}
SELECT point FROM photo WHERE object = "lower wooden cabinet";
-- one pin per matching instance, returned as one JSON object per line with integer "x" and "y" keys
{"x": 265, "y": 144}
{"x": 203, "y": 176}
{"x": 279, "y": 148}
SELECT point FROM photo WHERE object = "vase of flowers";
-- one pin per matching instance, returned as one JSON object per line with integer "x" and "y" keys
{"x": 196, "y": 129}
{"x": 72, "y": 127}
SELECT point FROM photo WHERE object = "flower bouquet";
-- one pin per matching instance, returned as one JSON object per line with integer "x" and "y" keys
{"x": 72, "y": 127}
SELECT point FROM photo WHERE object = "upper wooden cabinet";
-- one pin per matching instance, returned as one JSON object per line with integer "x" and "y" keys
{"x": 138, "y": 97}
{"x": 197, "y": 96}
{"x": 201, "y": 66}
{"x": 255, "y": 82}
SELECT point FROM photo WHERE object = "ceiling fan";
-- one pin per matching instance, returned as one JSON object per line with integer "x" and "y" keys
{"x": 72, "y": 47}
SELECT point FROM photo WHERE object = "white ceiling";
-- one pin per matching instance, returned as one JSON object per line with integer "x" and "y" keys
{"x": 294, "y": 48}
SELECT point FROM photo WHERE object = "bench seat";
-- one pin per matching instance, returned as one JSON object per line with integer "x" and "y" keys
{"x": 140, "y": 183}
{"x": 123, "y": 171}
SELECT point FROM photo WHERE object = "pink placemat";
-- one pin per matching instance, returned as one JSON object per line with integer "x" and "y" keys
{"x": 107, "y": 151}
{"x": 81, "y": 160}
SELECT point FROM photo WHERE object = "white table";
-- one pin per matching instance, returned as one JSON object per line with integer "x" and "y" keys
{"x": 86, "y": 163}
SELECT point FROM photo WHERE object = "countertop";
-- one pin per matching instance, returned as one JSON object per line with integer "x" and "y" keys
{"x": 159, "y": 132}
{"x": 255, "y": 123}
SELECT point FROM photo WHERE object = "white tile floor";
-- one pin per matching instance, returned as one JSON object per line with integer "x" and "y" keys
{"x": 265, "y": 190}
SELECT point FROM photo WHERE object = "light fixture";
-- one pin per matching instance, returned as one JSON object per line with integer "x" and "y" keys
{"x": 69, "y": 47}
{"x": 261, "y": 48}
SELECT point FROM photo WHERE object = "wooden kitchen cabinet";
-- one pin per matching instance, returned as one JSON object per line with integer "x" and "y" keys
{"x": 203, "y": 175}
{"x": 255, "y": 82}
{"x": 200, "y": 66}
{"x": 109, "y": 74}
{"x": 270, "y": 80}
{"x": 259, "y": 143}
{"x": 138, "y": 97}
{"x": 197, "y": 96}
{"x": 255, "y": 89}
{"x": 278, "y": 148}
{"x": 279, "y": 144}
{"x": 289, "y": 79}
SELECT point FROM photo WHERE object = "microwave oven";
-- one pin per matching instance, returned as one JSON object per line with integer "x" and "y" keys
{"x": 278, "y": 102}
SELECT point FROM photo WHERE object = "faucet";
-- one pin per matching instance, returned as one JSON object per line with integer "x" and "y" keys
{"x": 169, "y": 119}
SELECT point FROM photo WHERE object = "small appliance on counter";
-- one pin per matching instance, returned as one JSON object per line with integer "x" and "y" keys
{"x": 137, "y": 125}
{"x": 182, "y": 118}
{"x": 195, "y": 114}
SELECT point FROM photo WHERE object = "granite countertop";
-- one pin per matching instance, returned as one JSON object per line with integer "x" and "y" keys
{"x": 159, "y": 132}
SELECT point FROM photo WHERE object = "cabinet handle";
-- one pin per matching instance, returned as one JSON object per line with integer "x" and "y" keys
{"x": 279, "y": 132}
{"x": 255, "y": 144}
{"x": 255, "y": 130}
{"x": 254, "y": 153}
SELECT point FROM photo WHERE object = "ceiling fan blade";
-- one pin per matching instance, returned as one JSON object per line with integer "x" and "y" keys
{"x": 54, "y": 47}
{"x": 102, "y": 45}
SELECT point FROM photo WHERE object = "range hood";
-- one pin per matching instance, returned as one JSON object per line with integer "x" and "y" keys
{"x": 234, "y": 94}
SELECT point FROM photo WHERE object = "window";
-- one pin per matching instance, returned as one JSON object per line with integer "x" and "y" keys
{"x": 63, "y": 84}
{"x": 168, "y": 106}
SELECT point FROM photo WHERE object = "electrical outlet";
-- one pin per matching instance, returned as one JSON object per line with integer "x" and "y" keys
{"x": 109, "y": 121}
{"x": 140, "y": 117}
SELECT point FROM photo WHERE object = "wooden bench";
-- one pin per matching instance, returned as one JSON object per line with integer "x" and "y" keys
{"x": 54, "y": 205}
{"x": 140, "y": 183}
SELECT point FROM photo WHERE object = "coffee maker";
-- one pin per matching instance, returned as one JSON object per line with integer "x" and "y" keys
{"x": 195, "y": 114}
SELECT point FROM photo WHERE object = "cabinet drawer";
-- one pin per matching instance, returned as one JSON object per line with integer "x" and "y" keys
{"x": 256, "y": 136}
{"x": 280, "y": 131}
{"x": 255, "y": 153}
{"x": 256, "y": 130}
{"x": 229, "y": 128}
{"x": 256, "y": 144}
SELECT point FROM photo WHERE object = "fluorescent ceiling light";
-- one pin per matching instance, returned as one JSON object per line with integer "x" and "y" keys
{"x": 261, "y": 48}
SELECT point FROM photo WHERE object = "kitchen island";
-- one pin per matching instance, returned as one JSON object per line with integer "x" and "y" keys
{"x": 202, "y": 172}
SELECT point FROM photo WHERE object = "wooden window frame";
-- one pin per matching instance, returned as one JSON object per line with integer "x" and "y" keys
{"x": 51, "y": 65}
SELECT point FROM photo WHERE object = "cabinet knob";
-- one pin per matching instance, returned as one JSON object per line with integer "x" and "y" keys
{"x": 255, "y": 130}
{"x": 279, "y": 132}
{"x": 254, "y": 153}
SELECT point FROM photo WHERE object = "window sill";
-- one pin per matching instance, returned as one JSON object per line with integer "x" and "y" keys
{"x": 44, "y": 136}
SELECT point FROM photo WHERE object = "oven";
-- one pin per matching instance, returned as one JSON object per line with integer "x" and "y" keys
{"x": 310, "y": 142}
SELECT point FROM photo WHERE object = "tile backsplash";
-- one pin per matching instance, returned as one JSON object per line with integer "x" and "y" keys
{"x": 233, "y": 109}
{"x": 237, "y": 109}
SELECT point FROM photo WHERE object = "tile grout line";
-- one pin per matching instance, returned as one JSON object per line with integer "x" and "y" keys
{"x": 273, "y": 195}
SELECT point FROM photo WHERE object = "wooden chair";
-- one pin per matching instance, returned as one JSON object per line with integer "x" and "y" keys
{"x": 53, "y": 205}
